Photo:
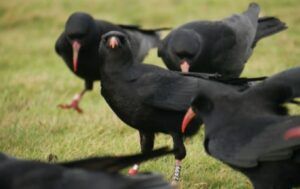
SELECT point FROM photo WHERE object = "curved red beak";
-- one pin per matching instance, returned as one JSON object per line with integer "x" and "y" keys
{"x": 184, "y": 66}
{"x": 292, "y": 133}
{"x": 113, "y": 42}
{"x": 76, "y": 47}
{"x": 190, "y": 114}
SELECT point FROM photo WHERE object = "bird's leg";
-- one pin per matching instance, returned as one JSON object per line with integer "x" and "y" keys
{"x": 176, "y": 175}
{"x": 75, "y": 102}
{"x": 179, "y": 155}
{"x": 147, "y": 143}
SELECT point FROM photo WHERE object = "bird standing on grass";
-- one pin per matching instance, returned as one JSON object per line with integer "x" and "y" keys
{"x": 147, "y": 97}
{"x": 252, "y": 132}
{"x": 217, "y": 46}
{"x": 91, "y": 173}
{"x": 78, "y": 47}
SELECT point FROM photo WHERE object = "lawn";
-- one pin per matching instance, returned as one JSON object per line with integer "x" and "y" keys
{"x": 34, "y": 80}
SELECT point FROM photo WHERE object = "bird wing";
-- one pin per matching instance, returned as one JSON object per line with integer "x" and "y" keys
{"x": 267, "y": 143}
{"x": 278, "y": 89}
{"x": 270, "y": 144}
{"x": 167, "y": 91}
{"x": 172, "y": 91}
{"x": 244, "y": 27}
{"x": 289, "y": 78}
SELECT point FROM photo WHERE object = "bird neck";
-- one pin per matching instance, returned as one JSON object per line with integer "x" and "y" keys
{"x": 116, "y": 67}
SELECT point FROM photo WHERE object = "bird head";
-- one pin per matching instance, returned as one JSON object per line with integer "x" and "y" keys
{"x": 115, "y": 45}
{"x": 184, "y": 48}
{"x": 79, "y": 29}
{"x": 201, "y": 106}
{"x": 265, "y": 101}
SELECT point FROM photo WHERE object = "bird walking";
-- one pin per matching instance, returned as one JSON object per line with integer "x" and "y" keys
{"x": 78, "y": 47}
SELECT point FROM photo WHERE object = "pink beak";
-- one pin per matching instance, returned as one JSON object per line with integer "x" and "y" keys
{"x": 76, "y": 46}
{"x": 184, "y": 66}
{"x": 113, "y": 42}
{"x": 190, "y": 114}
{"x": 292, "y": 133}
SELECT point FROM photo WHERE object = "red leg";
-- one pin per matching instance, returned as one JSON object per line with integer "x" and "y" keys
{"x": 75, "y": 103}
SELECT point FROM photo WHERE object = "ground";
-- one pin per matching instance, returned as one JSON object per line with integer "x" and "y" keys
{"x": 34, "y": 80}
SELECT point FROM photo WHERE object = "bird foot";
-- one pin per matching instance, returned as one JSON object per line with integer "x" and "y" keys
{"x": 73, "y": 105}
{"x": 134, "y": 170}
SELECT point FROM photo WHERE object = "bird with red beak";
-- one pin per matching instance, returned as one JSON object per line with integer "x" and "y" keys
{"x": 149, "y": 98}
{"x": 221, "y": 46}
{"x": 75, "y": 45}
{"x": 252, "y": 131}
{"x": 184, "y": 51}
{"x": 78, "y": 47}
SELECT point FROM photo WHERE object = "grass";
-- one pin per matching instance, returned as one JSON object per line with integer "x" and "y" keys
{"x": 34, "y": 80}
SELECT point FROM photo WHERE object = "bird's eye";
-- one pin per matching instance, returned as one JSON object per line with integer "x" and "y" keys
{"x": 122, "y": 39}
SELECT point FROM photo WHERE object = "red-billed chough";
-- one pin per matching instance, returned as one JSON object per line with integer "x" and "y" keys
{"x": 252, "y": 132}
{"x": 217, "y": 46}
{"x": 91, "y": 173}
{"x": 78, "y": 47}
{"x": 149, "y": 98}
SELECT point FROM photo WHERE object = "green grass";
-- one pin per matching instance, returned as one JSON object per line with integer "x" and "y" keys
{"x": 34, "y": 80}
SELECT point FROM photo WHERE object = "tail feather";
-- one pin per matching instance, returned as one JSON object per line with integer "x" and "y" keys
{"x": 114, "y": 164}
{"x": 268, "y": 26}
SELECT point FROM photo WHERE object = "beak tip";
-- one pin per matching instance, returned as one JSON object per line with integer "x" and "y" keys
{"x": 184, "y": 66}
{"x": 190, "y": 114}
{"x": 113, "y": 42}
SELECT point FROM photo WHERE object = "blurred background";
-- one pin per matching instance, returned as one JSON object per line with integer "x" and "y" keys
{"x": 34, "y": 80}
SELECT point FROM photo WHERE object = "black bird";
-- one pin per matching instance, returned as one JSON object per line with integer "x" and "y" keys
{"x": 92, "y": 173}
{"x": 252, "y": 132}
{"x": 78, "y": 45}
{"x": 146, "y": 97}
{"x": 217, "y": 46}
